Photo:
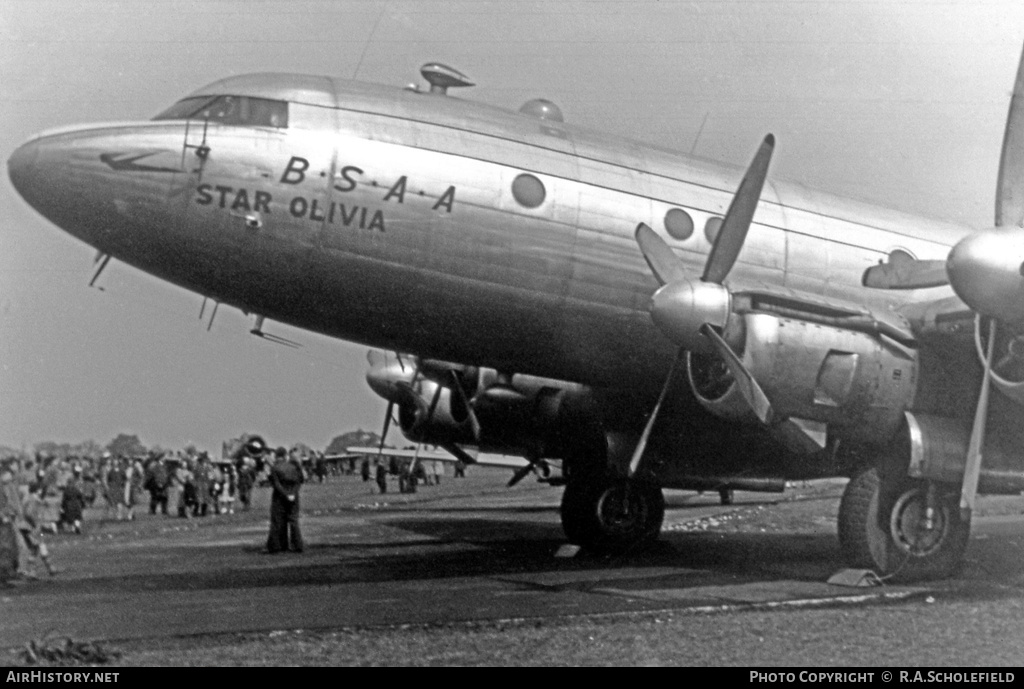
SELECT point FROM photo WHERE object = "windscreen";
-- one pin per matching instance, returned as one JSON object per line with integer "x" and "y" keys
{"x": 234, "y": 110}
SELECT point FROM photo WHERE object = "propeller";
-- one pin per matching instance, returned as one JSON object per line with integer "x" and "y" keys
{"x": 384, "y": 381}
{"x": 986, "y": 270}
{"x": 972, "y": 468}
{"x": 387, "y": 425}
{"x": 692, "y": 313}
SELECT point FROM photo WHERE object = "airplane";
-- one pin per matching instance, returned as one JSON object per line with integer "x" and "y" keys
{"x": 652, "y": 320}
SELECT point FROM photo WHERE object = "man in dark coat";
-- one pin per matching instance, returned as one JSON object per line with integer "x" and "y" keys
{"x": 117, "y": 485}
{"x": 156, "y": 483}
{"x": 285, "y": 480}
{"x": 246, "y": 480}
{"x": 201, "y": 481}
{"x": 72, "y": 504}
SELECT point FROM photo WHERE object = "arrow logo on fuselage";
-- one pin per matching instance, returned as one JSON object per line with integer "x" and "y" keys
{"x": 126, "y": 161}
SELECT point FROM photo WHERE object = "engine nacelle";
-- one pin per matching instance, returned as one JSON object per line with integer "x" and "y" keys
{"x": 846, "y": 379}
{"x": 514, "y": 418}
{"x": 935, "y": 448}
{"x": 1007, "y": 356}
{"x": 445, "y": 422}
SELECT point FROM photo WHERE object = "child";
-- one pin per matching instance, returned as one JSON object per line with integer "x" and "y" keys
{"x": 32, "y": 509}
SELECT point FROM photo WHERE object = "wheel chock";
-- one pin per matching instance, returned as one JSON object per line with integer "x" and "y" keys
{"x": 857, "y": 578}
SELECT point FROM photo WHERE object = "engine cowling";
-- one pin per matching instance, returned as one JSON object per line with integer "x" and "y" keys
{"x": 512, "y": 419}
{"x": 438, "y": 424}
{"x": 1008, "y": 356}
{"x": 846, "y": 379}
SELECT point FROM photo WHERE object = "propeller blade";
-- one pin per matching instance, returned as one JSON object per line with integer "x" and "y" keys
{"x": 972, "y": 470}
{"x": 474, "y": 423}
{"x": 733, "y": 232}
{"x": 387, "y": 424}
{"x": 748, "y": 387}
{"x": 665, "y": 265}
{"x": 641, "y": 446}
{"x": 519, "y": 475}
{"x": 1010, "y": 188}
{"x": 433, "y": 403}
{"x": 459, "y": 453}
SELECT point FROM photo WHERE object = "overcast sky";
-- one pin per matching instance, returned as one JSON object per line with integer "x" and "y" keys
{"x": 898, "y": 102}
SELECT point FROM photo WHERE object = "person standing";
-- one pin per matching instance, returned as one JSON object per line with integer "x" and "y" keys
{"x": 382, "y": 476}
{"x": 188, "y": 491}
{"x": 10, "y": 516}
{"x": 285, "y": 480}
{"x": 201, "y": 481}
{"x": 117, "y": 489}
{"x": 134, "y": 490}
{"x": 156, "y": 484}
{"x": 175, "y": 485}
{"x": 246, "y": 480}
{"x": 320, "y": 467}
{"x": 31, "y": 532}
{"x": 72, "y": 505}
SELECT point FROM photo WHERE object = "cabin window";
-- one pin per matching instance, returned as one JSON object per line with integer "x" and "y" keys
{"x": 234, "y": 110}
{"x": 528, "y": 191}
{"x": 711, "y": 228}
{"x": 678, "y": 223}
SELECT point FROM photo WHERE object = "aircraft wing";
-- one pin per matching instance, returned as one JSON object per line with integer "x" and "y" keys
{"x": 488, "y": 460}
{"x": 342, "y": 457}
{"x": 826, "y": 310}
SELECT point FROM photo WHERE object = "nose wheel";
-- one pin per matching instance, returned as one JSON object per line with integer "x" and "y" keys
{"x": 609, "y": 515}
{"x": 901, "y": 527}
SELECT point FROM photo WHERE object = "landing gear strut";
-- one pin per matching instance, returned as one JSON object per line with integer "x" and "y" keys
{"x": 610, "y": 515}
{"x": 901, "y": 527}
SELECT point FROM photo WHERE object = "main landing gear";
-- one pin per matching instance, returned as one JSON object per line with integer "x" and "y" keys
{"x": 901, "y": 527}
{"x": 609, "y": 515}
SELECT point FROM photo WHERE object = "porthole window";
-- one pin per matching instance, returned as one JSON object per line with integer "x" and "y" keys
{"x": 711, "y": 228}
{"x": 678, "y": 223}
{"x": 528, "y": 191}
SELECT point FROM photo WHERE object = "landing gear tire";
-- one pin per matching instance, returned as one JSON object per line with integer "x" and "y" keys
{"x": 883, "y": 526}
{"x": 611, "y": 516}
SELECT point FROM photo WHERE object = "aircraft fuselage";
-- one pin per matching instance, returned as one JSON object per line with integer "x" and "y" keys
{"x": 429, "y": 224}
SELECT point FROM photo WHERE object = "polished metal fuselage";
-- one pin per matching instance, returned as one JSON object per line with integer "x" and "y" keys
{"x": 386, "y": 217}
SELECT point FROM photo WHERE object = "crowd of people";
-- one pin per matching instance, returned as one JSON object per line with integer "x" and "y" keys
{"x": 408, "y": 473}
{"x": 43, "y": 494}
{"x": 47, "y": 494}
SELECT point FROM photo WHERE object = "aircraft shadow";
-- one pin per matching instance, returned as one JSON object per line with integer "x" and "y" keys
{"x": 484, "y": 547}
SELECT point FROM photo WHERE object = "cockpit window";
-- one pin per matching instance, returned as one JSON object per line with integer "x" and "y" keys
{"x": 236, "y": 110}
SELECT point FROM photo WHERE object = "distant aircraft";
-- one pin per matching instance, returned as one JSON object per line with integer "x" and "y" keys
{"x": 547, "y": 283}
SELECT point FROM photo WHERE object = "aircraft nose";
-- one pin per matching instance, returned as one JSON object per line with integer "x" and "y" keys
{"x": 21, "y": 168}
